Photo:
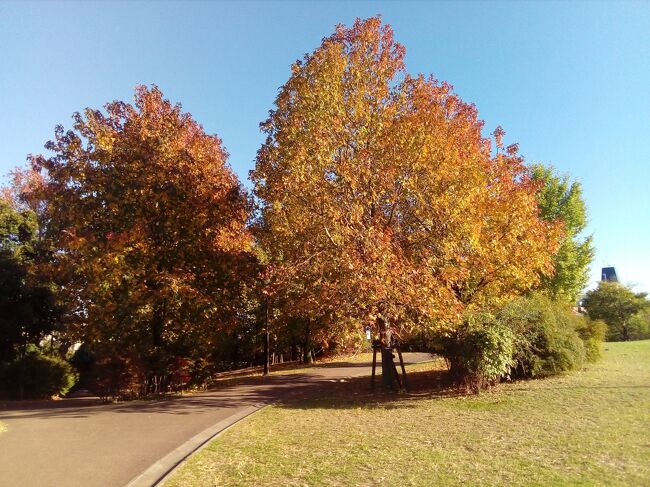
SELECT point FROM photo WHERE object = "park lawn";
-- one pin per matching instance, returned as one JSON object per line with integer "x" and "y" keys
{"x": 590, "y": 427}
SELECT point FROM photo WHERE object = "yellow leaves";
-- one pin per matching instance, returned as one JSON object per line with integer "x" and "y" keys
{"x": 393, "y": 183}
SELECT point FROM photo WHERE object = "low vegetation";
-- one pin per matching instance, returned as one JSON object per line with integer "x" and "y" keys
{"x": 585, "y": 428}
{"x": 530, "y": 337}
{"x": 36, "y": 376}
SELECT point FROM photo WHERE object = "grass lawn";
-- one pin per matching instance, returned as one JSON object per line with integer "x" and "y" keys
{"x": 586, "y": 428}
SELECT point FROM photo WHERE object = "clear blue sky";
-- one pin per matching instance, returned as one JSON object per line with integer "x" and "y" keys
{"x": 569, "y": 81}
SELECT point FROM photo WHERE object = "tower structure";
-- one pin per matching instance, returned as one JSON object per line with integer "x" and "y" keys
{"x": 609, "y": 274}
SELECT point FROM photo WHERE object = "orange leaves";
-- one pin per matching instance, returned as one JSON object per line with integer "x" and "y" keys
{"x": 388, "y": 189}
{"x": 144, "y": 210}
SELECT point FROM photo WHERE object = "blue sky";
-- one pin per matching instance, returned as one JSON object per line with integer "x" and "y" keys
{"x": 569, "y": 81}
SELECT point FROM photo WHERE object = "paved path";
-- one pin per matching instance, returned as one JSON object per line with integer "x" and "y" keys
{"x": 72, "y": 443}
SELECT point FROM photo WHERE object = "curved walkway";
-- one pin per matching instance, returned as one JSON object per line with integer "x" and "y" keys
{"x": 75, "y": 443}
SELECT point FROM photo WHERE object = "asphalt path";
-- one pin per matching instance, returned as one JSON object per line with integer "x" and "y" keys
{"x": 76, "y": 442}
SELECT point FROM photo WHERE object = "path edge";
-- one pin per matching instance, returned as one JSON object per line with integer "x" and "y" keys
{"x": 160, "y": 471}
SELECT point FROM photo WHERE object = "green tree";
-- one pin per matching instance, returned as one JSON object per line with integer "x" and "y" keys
{"x": 28, "y": 310}
{"x": 640, "y": 325}
{"x": 616, "y": 305}
{"x": 18, "y": 229}
{"x": 560, "y": 199}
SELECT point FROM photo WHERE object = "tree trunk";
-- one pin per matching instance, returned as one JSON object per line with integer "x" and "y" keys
{"x": 388, "y": 370}
{"x": 307, "y": 356}
{"x": 266, "y": 340}
{"x": 21, "y": 377}
{"x": 234, "y": 357}
{"x": 157, "y": 324}
{"x": 154, "y": 286}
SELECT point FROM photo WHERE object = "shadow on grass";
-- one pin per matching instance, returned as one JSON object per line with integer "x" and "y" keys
{"x": 357, "y": 392}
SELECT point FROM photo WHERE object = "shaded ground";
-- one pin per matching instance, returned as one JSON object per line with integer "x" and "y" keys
{"x": 80, "y": 443}
{"x": 585, "y": 428}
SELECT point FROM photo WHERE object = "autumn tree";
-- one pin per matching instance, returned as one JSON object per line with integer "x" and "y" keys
{"x": 148, "y": 223}
{"x": 380, "y": 200}
{"x": 561, "y": 200}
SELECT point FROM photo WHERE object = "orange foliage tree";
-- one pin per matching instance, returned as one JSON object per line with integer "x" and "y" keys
{"x": 148, "y": 227}
{"x": 381, "y": 202}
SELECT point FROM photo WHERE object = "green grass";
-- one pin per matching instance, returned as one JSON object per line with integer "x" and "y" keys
{"x": 590, "y": 427}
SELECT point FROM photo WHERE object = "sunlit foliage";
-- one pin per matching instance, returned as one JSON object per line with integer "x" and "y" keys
{"x": 148, "y": 225}
{"x": 379, "y": 194}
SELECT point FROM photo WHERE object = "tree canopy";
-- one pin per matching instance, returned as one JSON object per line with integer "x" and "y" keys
{"x": 379, "y": 196}
{"x": 616, "y": 305}
{"x": 560, "y": 200}
{"x": 28, "y": 309}
{"x": 148, "y": 224}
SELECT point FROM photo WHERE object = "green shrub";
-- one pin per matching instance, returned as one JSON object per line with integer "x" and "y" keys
{"x": 546, "y": 336}
{"x": 639, "y": 325}
{"x": 479, "y": 352}
{"x": 35, "y": 375}
{"x": 530, "y": 337}
{"x": 592, "y": 333}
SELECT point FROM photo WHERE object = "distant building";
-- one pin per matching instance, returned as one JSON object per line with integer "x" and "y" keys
{"x": 609, "y": 274}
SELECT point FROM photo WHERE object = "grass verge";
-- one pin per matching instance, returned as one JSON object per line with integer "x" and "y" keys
{"x": 585, "y": 428}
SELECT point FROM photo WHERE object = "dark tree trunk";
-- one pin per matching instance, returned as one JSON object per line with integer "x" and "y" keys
{"x": 306, "y": 349}
{"x": 626, "y": 333}
{"x": 235, "y": 351}
{"x": 388, "y": 369}
{"x": 21, "y": 378}
{"x": 157, "y": 324}
{"x": 266, "y": 338}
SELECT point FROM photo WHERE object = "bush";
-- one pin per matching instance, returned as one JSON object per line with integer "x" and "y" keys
{"x": 118, "y": 375}
{"x": 639, "y": 326}
{"x": 592, "y": 333}
{"x": 529, "y": 337}
{"x": 546, "y": 336}
{"x": 37, "y": 376}
{"x": 479, "y": 352}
